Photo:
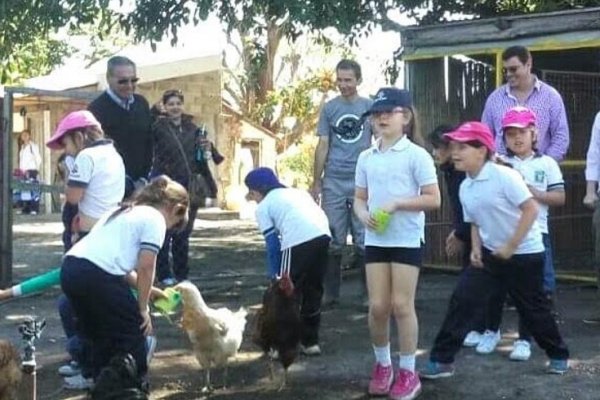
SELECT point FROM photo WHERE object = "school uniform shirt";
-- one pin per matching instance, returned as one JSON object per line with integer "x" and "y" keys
{"x": 542, "y": 173}
{"x": 99, "y": 169}
{"x": 491, "y": 201}
{"x": 114, "y": 244}
{"x": 396, "y": 173}
{"x": 293, "y": 214}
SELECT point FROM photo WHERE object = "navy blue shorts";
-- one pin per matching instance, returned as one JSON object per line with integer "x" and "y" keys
{"x": 400, "y": 255}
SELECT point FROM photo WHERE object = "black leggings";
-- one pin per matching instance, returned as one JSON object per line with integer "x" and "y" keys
{"x": 521, "y": 277}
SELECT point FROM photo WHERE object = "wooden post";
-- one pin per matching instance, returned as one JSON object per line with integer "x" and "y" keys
{"x": 499, "y": 66}
{"x": 6, "y": 199}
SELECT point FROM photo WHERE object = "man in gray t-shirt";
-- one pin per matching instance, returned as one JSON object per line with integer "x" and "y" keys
{"x": 343, "y": 134}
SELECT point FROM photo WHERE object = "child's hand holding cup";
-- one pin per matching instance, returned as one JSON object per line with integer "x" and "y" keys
{"x": 382, "y": 218}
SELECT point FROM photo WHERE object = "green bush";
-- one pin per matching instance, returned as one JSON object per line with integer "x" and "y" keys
{"x": 295, "y": 166}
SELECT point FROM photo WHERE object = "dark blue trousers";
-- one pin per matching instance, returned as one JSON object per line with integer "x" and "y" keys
{"x": 106, "y": 311}
{"x": 178, "y": 244}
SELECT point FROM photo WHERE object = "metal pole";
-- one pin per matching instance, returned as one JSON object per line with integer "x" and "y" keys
{"x": 6, "y": 194}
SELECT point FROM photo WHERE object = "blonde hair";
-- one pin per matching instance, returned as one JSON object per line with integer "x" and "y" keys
{"x": 162, "y": 191}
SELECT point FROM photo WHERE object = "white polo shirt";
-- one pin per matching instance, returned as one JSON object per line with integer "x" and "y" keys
{"x": 396, "y": 173}
{"x": 491, "y": 201}
{"x": 114, "y": 245}
{"x": 293, "y": 214}
{"x": 542, "y": 173}
{"x": 100, "y": 170}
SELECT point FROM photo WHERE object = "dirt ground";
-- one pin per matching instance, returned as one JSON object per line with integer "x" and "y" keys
{"x": 227, "y": 264}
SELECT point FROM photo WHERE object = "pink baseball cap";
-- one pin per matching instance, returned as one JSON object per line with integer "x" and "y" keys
{"x": 518, "y": 117}
{"x": 473, "y": 131}
{"x": 74, "y": 120}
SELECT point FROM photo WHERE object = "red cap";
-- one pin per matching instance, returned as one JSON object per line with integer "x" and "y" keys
{"x": 518, "y": 117}
{"x": 473, "y": 131}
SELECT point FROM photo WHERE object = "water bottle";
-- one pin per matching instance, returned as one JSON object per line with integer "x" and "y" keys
{"x": 202, "y": 154}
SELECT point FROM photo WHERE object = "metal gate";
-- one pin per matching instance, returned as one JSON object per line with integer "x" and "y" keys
{"x": 6, "y": 162}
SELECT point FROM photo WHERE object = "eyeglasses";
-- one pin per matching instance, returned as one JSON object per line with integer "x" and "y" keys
{"x": 379, "y": 114}
{"x": 512, "y": 69}
{"x": 125, "y": 81}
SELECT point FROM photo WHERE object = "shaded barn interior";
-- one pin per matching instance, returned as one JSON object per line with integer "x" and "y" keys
{"x": 450, "y": 83}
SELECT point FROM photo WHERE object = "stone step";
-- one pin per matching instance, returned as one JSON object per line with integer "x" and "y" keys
{"x": 217, "y": 214}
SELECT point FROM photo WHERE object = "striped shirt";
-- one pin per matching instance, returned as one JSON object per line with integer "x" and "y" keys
{"x": 546, "y": 102}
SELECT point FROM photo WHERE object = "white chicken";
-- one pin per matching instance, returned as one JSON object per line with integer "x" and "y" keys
{"x": 216, "y": 334}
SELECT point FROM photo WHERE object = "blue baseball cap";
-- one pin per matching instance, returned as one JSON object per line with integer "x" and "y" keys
{"x": 262, "y": 179}
{"x": 389, "y": 98}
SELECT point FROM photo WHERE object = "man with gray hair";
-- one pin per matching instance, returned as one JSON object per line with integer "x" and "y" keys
{"x": 343, "y": 135}
{"x": 125, "y": 118}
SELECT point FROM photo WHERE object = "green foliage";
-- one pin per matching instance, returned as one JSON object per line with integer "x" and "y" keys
{"x": 26, "y": 46}
{"x": 34, "y": 58}
{"x": 295, "y": 166}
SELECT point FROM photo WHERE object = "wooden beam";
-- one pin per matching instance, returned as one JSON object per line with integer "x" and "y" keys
{"x": 502, "y": 28}
{"x": 499, "y": 67}
{"x": 568, "y": 41}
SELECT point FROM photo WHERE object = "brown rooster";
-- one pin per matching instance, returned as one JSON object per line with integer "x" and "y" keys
{"x": 279, "y": 325}
{"x": 10, "y": 371}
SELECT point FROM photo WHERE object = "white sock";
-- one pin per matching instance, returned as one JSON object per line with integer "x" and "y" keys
{"x": 382, "y": 355}
{"x": 407, "y": 362}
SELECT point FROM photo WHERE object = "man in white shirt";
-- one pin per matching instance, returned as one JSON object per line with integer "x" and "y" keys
{"x": 592, "y": 176}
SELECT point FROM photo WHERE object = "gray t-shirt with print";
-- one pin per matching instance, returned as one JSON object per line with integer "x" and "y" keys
{"x": 349, "y": 134}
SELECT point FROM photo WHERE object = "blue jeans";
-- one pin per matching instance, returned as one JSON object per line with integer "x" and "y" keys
{"x": 69, "y": 323}
{"x": 549, "y": 275}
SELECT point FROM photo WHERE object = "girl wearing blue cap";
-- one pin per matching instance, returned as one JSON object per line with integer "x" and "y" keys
{"x": 296, "y": 230}
{"x": 396, "y": 179}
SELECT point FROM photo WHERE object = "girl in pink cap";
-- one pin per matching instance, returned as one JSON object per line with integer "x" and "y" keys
{"x": 506, "y": 243}
{"x": 97, "y": 180}
{"x": 545, "y": 182}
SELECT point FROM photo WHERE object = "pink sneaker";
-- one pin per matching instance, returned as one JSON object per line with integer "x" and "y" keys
{"x": 407, "y": 386}
{"x": 381, "y": 380}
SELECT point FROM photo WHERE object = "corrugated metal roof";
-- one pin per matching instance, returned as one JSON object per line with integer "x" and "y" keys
{"x": 544, "y": 31}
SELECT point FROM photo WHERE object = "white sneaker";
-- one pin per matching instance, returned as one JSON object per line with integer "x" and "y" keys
{"x": 150, "y": 348}
{"x": 313, "y": 350}
{"x": 70, "y": 369}
{"x": 488, "y": 343}
{"x": 521, "y": 351}
{"x": 472, "y": 339}
{"x": 78, "y": 382}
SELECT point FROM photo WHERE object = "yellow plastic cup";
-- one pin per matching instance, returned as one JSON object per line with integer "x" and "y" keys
{"x": 169, "y": 304}
{"x": 383, "y": 220}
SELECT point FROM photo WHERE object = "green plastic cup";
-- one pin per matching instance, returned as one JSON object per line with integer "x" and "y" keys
{"x": 383, "y": 220}
{"x": 169, "y": 304}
